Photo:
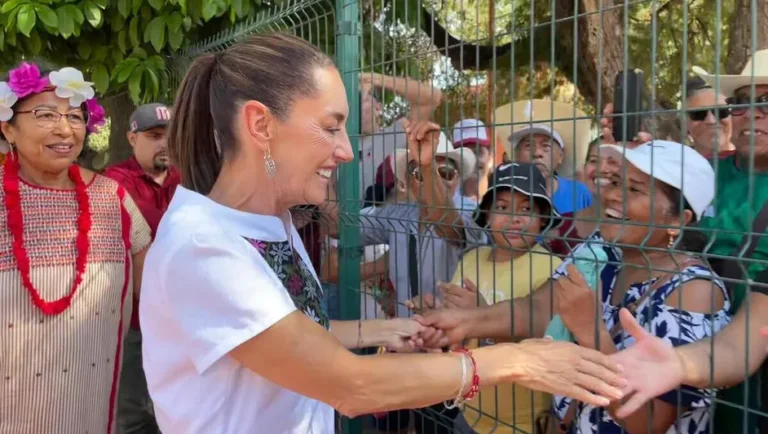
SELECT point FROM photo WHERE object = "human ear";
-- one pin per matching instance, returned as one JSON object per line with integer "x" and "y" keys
{"x": 259, "y": 123}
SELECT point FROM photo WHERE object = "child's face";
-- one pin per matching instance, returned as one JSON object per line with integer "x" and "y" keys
{"x": 515, "y": 220}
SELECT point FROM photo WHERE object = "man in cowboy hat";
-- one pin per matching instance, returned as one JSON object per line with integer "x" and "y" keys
{"x": 740, "y": 210}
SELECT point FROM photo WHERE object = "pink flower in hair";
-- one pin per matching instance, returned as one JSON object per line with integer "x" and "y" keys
{"x": 26, "y": 80}
{"x": 96, "y": 115}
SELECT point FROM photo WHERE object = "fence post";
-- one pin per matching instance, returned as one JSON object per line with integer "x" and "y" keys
{"x": 348, "y": 61}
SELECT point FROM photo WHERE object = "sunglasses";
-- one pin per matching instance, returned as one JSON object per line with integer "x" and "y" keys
{"x": 719, "y": 113}
{"x": 445, "y": 170}
{"x": 741, "y": 104}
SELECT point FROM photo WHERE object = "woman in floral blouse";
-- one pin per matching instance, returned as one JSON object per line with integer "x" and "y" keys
{"x": 652, "y": 271}
{"x": 72, "y": 244}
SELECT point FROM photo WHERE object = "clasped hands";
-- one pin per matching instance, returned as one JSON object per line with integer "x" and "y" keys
{"x": 437, "y": 321}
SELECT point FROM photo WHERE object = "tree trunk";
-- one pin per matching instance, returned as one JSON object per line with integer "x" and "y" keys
{"x": 594, "y": 30}
{"x": 740, "y": 37}
{"x": 119, "y": 108}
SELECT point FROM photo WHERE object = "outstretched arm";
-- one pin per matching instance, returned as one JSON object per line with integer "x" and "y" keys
{"x": 693, "y": 364}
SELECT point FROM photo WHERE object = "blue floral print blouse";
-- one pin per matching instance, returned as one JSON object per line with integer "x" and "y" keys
{"x": 673, "y": 325}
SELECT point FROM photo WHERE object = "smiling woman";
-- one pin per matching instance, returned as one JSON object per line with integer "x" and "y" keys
{"x": 236, "y": 334}
{"x": 71, "y": 249}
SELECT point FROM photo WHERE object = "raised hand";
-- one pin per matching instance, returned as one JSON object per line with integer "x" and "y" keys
{"x": 563, "y": 368}
{"x": 423, "y": 303}
{"x": 444, "y": 327}
{"x": 643, "y": 362}
{"x": 606, "y": 129}
{"x": 465, "y": 296}
{"x": 423, "y": 138}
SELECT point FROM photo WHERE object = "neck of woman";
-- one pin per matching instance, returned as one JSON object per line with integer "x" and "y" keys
{"x": 247, "y": 190}
{"x": 42, "y": 178}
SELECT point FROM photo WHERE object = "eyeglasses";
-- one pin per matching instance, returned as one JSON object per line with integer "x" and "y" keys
{"x": 48, "y": 119}
{"x": 742, "y": 103}
{"x": 719, "y": 113}
{"x": 445, "y": 170}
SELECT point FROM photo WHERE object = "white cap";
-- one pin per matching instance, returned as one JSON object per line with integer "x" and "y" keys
{"x": 520, "y": 134}
{"x": 470, "y": 131}
{"x": 665, "y": 160}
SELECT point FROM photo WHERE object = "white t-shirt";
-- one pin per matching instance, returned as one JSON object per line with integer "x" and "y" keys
{"x": 206, "y": 290}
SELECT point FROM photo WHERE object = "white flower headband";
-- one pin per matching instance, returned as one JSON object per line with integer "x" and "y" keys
{"x": 67, "y": 83}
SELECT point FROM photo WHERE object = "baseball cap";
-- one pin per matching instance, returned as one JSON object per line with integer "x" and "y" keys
{"x": 150, "y": 116}
{"x": 519, "y": 135}
{"x": 664, "y": 161}
{"x": 525, "y": 178}
{"x": 470, "y": 132}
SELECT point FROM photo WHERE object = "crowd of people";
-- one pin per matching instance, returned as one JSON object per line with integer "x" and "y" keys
{"x": 194, "y": 288}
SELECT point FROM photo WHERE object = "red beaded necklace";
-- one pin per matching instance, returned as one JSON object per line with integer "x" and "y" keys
{"x": 16, "y": 226}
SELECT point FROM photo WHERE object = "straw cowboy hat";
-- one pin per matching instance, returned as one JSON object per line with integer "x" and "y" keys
{"x": 463, "y": 157}
{"x": 729, "y": 84}
{"x": 570, "y": 123}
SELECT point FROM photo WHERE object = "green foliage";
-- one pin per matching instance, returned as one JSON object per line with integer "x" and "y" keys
{"x": 117, "y": 43}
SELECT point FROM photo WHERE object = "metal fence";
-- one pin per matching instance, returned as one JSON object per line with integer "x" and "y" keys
{"x": 531, "y": 69}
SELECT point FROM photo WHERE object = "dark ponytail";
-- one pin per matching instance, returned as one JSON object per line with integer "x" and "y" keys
{"x": 274, "y": 69}
{"x": 191, "y": 141}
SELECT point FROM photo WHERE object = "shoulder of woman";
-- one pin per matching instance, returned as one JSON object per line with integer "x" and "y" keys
{"x": 88, "y": 175}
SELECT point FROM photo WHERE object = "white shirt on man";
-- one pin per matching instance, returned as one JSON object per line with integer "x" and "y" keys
{"x": 205, "y": 290}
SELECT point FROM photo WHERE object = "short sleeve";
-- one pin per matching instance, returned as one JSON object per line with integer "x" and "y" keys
{"x": 141, "y": 236}
{"x": 377, "y": 223}
{"x": 221, "y": 293}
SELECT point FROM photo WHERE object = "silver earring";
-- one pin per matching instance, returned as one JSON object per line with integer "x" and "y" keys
{"x": 269, "y": 164}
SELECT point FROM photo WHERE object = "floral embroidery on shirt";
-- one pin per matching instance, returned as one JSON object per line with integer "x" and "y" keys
{"x": 296, "y": 277}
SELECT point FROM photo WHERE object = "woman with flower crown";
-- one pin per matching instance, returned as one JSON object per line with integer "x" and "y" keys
{"x": 72, "y": 247}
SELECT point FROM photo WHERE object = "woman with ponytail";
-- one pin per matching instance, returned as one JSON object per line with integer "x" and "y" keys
{"x": 236, "y": 335}
{"x": 72, "y": 245}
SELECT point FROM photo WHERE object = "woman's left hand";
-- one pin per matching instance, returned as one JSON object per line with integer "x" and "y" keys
{"x": 575, "y": 301}
{"x": 464, "y": 296}
{"x": 403, "y": 335}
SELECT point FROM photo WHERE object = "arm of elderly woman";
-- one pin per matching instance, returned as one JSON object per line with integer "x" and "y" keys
{"x": 252, "y": 318}
{"x": 577, "y": 305}
{"x": 138, "y": 268}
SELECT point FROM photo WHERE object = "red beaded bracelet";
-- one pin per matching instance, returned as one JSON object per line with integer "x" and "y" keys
{"x": 475, "y": 388}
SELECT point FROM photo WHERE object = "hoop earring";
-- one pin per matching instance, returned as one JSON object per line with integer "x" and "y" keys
{"x": 269, "y": 164}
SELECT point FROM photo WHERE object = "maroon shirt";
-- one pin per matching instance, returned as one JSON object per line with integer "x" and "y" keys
{"x": 151, "y": 198}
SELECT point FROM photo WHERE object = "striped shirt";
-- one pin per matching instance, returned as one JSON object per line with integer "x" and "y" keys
{"x": 59, "y": 373}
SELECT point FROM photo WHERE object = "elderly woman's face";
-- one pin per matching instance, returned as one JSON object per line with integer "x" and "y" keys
{"x": 46, "y": 132}
{"x": 634, "y": 211}
{"x": 312, "y": 142}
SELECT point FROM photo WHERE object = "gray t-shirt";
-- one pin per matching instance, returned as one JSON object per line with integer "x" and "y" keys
{"x": 374, "y": 149}
{"x": 437, "y": 258}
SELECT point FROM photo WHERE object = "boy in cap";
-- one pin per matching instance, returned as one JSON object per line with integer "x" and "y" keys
{"x": 515, "y": 210}
{"x": 151, "y": 180}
